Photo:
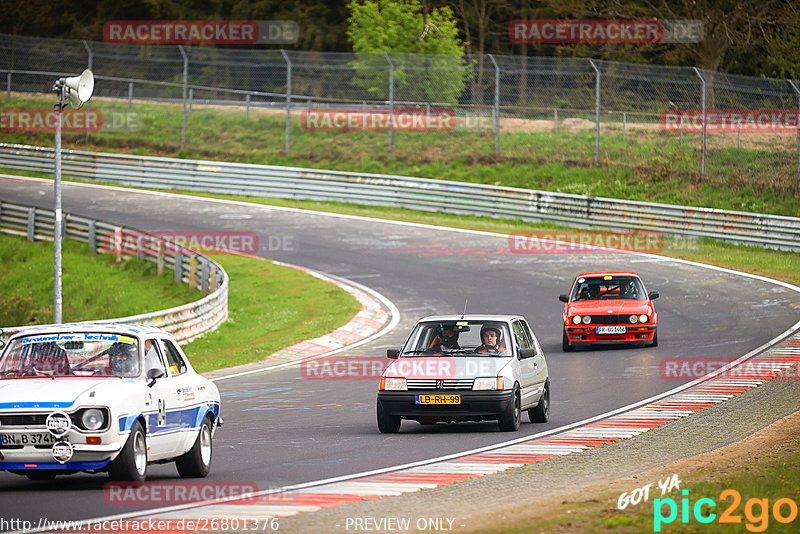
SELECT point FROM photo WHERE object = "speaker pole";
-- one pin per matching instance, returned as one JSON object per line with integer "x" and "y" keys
{"x": 57, "y": 300}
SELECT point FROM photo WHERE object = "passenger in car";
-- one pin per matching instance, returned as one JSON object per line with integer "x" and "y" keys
{"x": 492, "y": 341}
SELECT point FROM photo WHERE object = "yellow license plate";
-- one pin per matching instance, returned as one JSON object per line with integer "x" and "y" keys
{"x": 437, "y": 399}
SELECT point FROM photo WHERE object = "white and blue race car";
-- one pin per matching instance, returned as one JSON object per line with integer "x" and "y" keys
{"x": 103, "y": 397}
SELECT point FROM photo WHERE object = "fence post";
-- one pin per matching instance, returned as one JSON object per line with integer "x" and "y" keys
{"x": 183, "y": 96}
{"x": 8, "y": 85}
{"x": 797, "y": 90}
{"x": 191, "y": 99}
{"x": 88, "y": 104}
{"x": 703, "y": 137}
{"x": 247, "y": 107}
{"x": 555, "y": 121}
{"x": 496, "y": 106}
{"x": 178, "y": 264}
{"x": 31, "y": 224}
{"x": 624, "y": 124}
{"x": 288, "y": 98}
{"x": 596, "y": 112}
{"x": 92, "y": 236}
{"x": 130, "y": 95}
{"x": 204, "y": 276}
{"x": 391, "y": 101}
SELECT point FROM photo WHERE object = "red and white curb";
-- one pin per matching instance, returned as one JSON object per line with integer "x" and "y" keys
{"x": 749, "y": 373}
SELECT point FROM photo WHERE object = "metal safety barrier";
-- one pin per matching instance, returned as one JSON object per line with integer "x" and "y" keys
{"x": 185, "y": 322}
{"x": 581, "y": 211}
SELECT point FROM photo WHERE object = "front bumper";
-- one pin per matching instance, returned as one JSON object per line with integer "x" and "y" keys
{"x": 588, "y": 334}
{"x": 474, "y": 404}
{"x": 85, "y": 456}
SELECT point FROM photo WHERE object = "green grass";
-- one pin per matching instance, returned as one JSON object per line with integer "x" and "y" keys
{"x": 93, "y": 286}
{"x": 270, "y": 307}
{"x": 648, "y": 165}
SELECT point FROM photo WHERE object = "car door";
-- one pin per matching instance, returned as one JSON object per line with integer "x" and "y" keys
{"x": 526, "y": 366}
{"x": 539, "y": 362}
{"x": 164, "y": 424}
{"x": 187, "y": 396}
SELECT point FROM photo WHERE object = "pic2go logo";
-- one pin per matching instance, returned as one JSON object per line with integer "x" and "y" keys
{"x": 756, "y": 511}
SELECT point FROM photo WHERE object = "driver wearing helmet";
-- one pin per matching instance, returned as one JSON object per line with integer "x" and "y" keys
{"x": 123, "y": 359}
{"x": 492, "y": 339}
{"x": 628, "y": 290}
{"x": 446, "y": 339}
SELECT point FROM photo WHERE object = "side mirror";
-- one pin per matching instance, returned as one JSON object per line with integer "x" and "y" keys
{"x": 527, "y": 353}
{"x": 153, "y": 375}
{"x": 392, "y": 353}
{"x": 652, "y": 295}
{"x": 563, "y": 298}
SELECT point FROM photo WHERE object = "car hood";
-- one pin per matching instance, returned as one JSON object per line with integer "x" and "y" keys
{"x": 604, "y": 307}
{"x": 446, "y": 367}
{"x": 63, "y": 393}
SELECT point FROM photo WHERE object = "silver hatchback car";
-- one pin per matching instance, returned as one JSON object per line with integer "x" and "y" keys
{"x": 456, "y": 368}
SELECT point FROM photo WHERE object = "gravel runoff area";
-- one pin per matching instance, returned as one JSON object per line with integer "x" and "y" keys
{"x": 494, "y": 502}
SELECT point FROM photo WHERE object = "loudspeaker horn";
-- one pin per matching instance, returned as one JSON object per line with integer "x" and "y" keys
{"x": 79, "y": 88}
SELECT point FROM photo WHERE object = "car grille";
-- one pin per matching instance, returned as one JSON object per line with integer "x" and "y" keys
{"x": 32, "y": 419}
{"x": 431, "y": 383}
{"x": 610, "y": 319}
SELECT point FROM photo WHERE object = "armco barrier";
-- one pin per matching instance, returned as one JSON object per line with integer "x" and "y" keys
{"x": 184, "y": 322}
{"x": 417, "y": 193}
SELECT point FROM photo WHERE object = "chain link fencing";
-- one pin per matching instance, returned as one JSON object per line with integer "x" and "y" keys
{"x": 571, "y": 111}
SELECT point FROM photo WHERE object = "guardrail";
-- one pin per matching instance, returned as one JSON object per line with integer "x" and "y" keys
{"x": 771, "y": 231}
{"x": 185, "y": 322}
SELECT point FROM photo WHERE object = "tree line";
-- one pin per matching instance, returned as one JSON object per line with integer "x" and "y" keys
{"x": 750, "y": 37}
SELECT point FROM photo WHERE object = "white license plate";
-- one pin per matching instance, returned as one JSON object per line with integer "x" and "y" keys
{"x": 29, "y": 439}
{"x": 610, "y": 329}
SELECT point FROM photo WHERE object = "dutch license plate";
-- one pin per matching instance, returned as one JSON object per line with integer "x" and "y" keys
{"x": 29, "y": 439}
{"x": 610, "y": 329}
{"x": 437, "y": 399}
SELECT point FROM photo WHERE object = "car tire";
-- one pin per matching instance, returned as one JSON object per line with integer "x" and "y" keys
{"x": 541, "y": 413}
{"x": 566, "y": 346}
{"x": 388, "y": 424}
{"x": 654, "y": 343}
{"x": 196, "y": 463}
{"x": 131, "y": 463}
{"x": 511, "y": 417}
{"x": 40, "y": 475}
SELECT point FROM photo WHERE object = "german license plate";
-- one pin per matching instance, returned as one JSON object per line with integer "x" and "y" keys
{"x": 610, "y": 329}
{"x": 437, "y": 399}
{"x": 29, "y": 439}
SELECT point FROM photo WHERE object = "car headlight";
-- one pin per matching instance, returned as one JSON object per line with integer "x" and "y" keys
{"x": 93, "y": 419}
{"x": 393, "y": 384}
{"x": 643, "y": 318}
{"x": 485, "y": 383}
{"x": 633, "y": 318}
{"x": 576, "y": 319}
{"x": 586, "y": 319}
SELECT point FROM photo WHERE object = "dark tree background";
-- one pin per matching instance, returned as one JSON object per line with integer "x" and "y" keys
{"x": 753, "y": 37}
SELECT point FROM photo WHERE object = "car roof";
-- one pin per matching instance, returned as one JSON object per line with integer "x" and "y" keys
{"x": 470, "y": 317}
{"x": 607, "y": 273}
{"x": 137, "y": 330}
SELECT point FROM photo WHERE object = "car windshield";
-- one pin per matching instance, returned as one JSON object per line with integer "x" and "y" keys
{"x": 70, "y": 354}
{"x": 458, "y": 338}
{"x": 607, "y": 288}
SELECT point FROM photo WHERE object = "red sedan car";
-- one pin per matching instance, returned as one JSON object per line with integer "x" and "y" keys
{"x": 609, "y": 307}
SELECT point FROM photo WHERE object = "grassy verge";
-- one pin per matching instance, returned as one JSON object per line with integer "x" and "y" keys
{"x": 647, "y": 164}
{"x": 93, "y": 286}
{"x": 270, "y": 307}
{"x": 766, "y": 475}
